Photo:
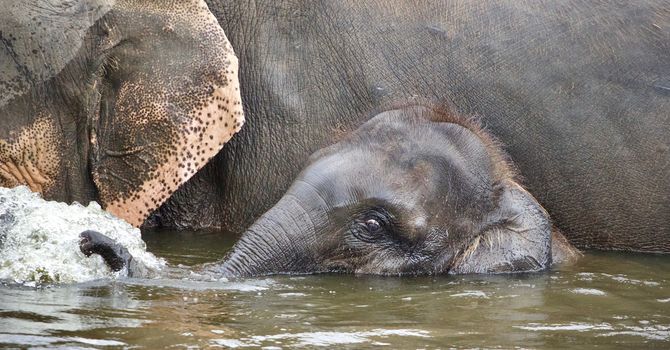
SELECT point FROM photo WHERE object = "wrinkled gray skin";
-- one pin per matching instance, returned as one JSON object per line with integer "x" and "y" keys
{"x": 404, "y": 194}
{"x": 412, "y": 191}
{"x": 577, "y": 91}
{"x": 103, "y": 99}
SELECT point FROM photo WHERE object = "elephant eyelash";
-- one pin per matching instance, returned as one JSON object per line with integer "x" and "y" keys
{"x": 391, "y": 228}
{"x": 361, "y": 216}
{"x": 362, "y": 235}
{"x": 108, "y": 64}
{"x": 379, "y": 214}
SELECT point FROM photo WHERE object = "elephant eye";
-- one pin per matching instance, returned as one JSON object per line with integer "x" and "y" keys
{"x": 369, "y": 230}
{"x": 372, "y": 226}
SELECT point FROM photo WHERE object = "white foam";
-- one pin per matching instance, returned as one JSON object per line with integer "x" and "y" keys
{"x": 588, "y": 291}
{"x": 286, "y": 295}
{"x": 470, "y": 293}
{"x": 39, "y": 240}
{"x": 646, "y": 330}
{"x": 229, "y": 343}
{"x": 573, "y": 326}
{"x": 324, "y": 339}
{"x": 96, "y": 342}
{"x": 655, "y": 332}
{"x": 37, "y": 340}
{"x": 623, "y": 279}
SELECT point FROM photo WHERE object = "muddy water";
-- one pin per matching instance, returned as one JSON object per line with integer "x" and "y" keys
{"x": 609, "y": 300}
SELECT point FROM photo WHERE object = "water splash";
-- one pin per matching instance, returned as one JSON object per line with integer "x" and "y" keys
{"x": 39, "y": 240}
{"x": 588, "y": 291}
{"x": 322, "y": 339}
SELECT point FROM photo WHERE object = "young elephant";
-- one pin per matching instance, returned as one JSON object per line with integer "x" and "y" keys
{"x": 415, "y": 190}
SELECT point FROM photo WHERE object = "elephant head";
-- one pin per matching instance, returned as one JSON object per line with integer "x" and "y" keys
{"x": 414, "y": 190}
{"x": 119, "y": 101}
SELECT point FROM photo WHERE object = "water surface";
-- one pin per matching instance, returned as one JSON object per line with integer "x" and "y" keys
{"x": 606, "y": 300}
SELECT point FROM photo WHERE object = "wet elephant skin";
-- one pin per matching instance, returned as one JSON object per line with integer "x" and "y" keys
{"x": 576, "y": 91}
{"x": 114, "y": 101}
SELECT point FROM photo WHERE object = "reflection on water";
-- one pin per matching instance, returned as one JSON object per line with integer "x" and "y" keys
{"x": 610, "y": 300}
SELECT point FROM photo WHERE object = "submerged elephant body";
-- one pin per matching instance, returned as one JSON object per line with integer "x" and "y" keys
{"x": 414, "y": 190}
{"x": 576, "y": 91}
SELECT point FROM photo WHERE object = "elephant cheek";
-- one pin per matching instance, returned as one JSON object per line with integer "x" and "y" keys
{"x": 161, "y": 148}
{"x": 175, "y": 106}
{"x": 33, "y": 156}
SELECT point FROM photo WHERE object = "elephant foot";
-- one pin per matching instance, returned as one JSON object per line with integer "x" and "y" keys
{"x": 115, "y": 256}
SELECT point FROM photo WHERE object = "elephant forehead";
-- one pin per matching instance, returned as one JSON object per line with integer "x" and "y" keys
{"x": 173, "y": 112}
{"x": 38, "y": 44}
{"x": 356, "y": 175}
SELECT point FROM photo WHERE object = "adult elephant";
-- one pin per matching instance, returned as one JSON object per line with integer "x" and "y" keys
{"x": 578, "y": 91}
{"x": 119, "y": 101}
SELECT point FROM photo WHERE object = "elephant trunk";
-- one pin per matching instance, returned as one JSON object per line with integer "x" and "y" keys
{"x": 281, "y": 241}
{"x": 270, "y": 245}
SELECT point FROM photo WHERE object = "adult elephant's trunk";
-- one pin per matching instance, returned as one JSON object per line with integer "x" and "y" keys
{"x": 270, "y": 246}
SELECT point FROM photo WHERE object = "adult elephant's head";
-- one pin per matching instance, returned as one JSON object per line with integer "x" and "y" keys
{"x": 415, "y": 190}
{"x": 118, "y": 101}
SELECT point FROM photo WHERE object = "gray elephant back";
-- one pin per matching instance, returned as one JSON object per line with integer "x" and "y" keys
{"x": 578, "y": 91}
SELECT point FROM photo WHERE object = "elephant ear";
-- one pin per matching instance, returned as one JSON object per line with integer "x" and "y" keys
{"x": 170, "y": 102}
{"x": 516, "y": 237}
{"x": 35, "y": 47}
{"x": 39, "y": 40}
